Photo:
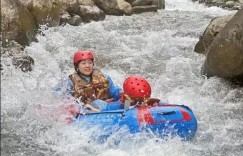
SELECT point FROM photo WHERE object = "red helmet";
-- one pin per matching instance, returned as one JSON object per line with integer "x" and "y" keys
{"x": 137, "y": 87}
{"x": 82, "y": 55}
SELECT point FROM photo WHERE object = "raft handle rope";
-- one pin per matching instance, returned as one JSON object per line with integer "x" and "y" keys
{"x": 105, "y": 112}
{"x": 81, "y": 105}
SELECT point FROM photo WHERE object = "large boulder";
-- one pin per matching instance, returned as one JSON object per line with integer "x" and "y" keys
{"x": 159, "y": 3}
{"x": 89, "y": 11}
{"x": 44, "y": 11}
{"x": 17, "y": 23}
{"x": 225, "y": 54}
{"x": 114, "y": 7}
{"x": 76, "y": 11}
{"x": 86, "y": 2}
{"x": 210, "y": 33}
{"x": 71, "y": 6}
{"x": 130, "y": 1}
{"x": 147, "y": 8}
{"x": 142, "y": 2}
{"x": 74, "y": 20}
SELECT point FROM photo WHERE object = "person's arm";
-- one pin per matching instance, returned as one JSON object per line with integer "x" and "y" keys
{"x": 65, "y": 88}
{"x": 114, "y": 90}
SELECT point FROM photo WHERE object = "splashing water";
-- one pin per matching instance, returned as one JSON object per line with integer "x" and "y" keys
{"x": 158, "y": 46}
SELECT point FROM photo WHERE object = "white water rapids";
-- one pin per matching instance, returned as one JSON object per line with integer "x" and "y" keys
{"x": 158, "y": 46}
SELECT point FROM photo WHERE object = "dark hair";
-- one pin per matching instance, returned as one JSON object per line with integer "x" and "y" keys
{"x": 76, "y": 66}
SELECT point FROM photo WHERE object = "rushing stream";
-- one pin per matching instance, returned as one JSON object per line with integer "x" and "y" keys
{"x": 158, "y": 46}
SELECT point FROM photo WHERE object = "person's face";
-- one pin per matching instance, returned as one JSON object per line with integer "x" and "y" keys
{"x": 86, "y": 67}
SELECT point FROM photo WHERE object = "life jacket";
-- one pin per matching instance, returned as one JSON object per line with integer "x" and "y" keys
{"x": 98, "y": 88}
{"x": 140, "y": 101}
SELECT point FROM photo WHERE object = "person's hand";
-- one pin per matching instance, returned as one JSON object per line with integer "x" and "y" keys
{"x": 92, "y": 108}
{"x": 109, "y": 100}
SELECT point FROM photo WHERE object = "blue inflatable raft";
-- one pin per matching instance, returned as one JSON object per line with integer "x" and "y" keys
{"x": 163, "y": 120}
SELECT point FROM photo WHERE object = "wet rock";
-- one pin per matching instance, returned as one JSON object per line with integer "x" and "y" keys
{"x": 75, "y": 20}
{"x": 86, "y": 2}
{"x": 237, "y": 6}
{"x": 14, "y": 49}
{"x": 115, "y": 7}
{"x": 20, "y": 59}
{"x": 125, "y": 7}
{"x": 80, "y": 11}
{"x": 130, "y": 1}
{"x": 64, "y": 17}
{"x": 24, "y": 63}
{"x": 225, "y": 54}
{"x": 161, "y": 4}
{"x": 229, "y": 4}
{"x": 70, "y": 6}
{"x": 90, "y": 13}
{"x": 44, "y": 11}
{"x": 211, "y": 32}
{"x": 142, "y": 2}
{"x": 17, "y": 23}
{"x": 148, "y": 8}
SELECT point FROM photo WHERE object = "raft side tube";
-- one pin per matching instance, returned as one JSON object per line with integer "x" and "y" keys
{"x": 164, "y": 120}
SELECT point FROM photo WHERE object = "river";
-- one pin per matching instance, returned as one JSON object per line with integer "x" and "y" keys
{"x": 158, "y": 46}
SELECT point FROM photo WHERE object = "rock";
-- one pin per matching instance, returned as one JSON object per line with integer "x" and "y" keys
{"x": 211, "y": 32}
{"x": 238, "y": 6}
{"x": 17, "y": 23}
{"x": 13, "y": 50}
{"x": 81, "y": 11}
{"x": 161, "y": 4}
{"x": 130, "y": 1}
{"x": 24, "y": 63}
{"x": 114, "y": 7}
{"x": 75, "y": 20}
{"x": 90, "y": 13}
{"x": 44, "y": 11}
{"x": 225, "y": 54}
{"x": 125, "y": 7}
{"x": 142, "y": 2}
{"x": 70, "y": 6}
{"x": 230, "y": 4}
{"x": 148, "y": 8}
{"x": 86, "y": 2}
{"x": 20, "y": 59}
{"x": 64, "y": 17}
